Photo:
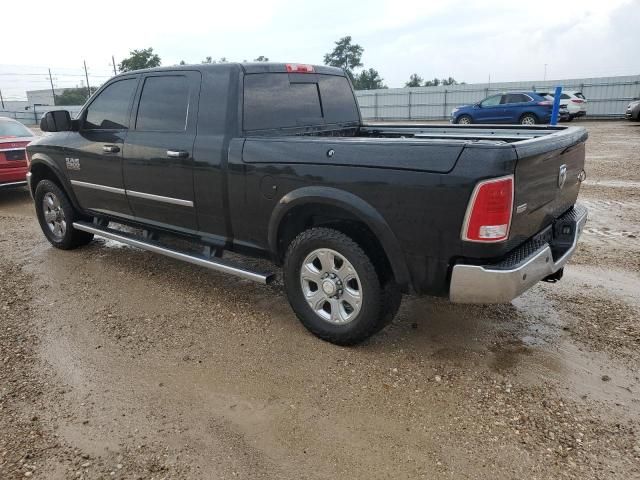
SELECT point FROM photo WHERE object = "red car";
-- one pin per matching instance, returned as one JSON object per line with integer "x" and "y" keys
{"x": 14, "y": 137}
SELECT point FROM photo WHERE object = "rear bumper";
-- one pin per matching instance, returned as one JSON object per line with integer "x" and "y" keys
{"x": 523, "y": 268}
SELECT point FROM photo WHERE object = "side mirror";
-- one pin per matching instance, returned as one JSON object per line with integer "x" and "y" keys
{"x": 477, "y": 105}
{"x": 56, "y": 121}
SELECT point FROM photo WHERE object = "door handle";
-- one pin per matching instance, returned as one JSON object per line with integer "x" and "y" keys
{"x": 177, "y": 154}
{"x": 110, "y": 148}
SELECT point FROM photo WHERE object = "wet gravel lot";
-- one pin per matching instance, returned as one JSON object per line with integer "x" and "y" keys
{"x": 116, "y": 363}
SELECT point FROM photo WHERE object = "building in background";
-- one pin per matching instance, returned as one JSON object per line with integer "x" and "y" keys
{"x": 42, "y": 97}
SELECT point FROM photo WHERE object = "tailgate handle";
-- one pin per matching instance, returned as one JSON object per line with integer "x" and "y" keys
{"x": 177, "y": 154}
{"x": 110, "y": 148}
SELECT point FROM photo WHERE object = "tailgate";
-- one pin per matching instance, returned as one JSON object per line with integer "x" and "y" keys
{"x": 547, "y": 179}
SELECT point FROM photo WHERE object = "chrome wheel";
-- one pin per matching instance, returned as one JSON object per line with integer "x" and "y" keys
{"x": 464, "y": 120}
{"x": 331, "y": 286}
{"x": 528, "y": 120}
{"x": 54, "y": 215}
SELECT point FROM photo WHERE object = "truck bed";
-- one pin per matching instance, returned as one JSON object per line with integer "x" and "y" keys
{"x": 438, "y": 155}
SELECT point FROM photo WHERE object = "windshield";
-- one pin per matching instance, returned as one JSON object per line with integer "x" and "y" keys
{"x": 14, "y": 129}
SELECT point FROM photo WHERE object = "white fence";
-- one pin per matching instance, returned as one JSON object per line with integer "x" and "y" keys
{"x": 33, "y": 115}
{"x": 606, "y": 96}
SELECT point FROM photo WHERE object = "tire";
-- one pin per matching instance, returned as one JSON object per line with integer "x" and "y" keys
{"x": 56, "y": 216}
{"x": 571, "y": 117}
{"x": 464, "y": 120}
{"x": 528, "y": 119}
{"x": 327, "y": 311}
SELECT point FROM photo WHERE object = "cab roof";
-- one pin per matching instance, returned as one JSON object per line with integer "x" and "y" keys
{"x": 246, "y": 67}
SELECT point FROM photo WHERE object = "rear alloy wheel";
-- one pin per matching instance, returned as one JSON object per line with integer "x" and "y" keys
{"x": 465, "y": 120}
{"x": 528, "y": 119}
{"x": 56, "y": 216}
{"x": 334, "y": 289}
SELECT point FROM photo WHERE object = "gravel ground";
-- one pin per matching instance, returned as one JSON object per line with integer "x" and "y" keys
{"x": 115, "y": 363}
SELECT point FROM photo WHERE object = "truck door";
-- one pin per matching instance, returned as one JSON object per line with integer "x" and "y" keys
{"x": 158, "y": 152}
{"x": 93, "y": 155}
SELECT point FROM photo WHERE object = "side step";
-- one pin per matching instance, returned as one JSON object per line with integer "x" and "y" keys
{"x": 217, "y": 264}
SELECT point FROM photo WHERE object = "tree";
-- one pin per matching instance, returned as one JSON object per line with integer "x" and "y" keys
{"x": 368, "y": 79}
{"x": 182, "y": 62}
{"x": 207, "y": 60}
{"x": 415, "y": 80}
{"x": 432, "y": 83}
{"x": 449, "y": 81}
{"x": 74, "y": 96}
{"x": 138, "y": 59}
{"x": 261, "y": 58}
{"x": 345, "y": 55}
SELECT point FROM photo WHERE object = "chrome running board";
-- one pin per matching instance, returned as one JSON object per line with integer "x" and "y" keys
{"x": 217, "y": 264}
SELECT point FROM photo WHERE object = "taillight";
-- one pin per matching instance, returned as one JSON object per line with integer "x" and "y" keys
{"x": 298, "y": 68}
{"x": 545, "y": 103}
{"x": 577, "y": 100}
{"x": 488, "y": 217}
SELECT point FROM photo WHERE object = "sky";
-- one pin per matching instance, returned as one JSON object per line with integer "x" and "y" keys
{"x": 470, "y": 41}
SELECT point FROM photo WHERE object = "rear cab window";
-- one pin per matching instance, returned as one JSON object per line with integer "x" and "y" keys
{"x": 283, "y": 100}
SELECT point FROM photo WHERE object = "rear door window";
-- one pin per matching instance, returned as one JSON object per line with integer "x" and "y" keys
{"x": 516, "y": 98}
{"x": 164, "y": 104}
{"x": 277, "y": 100}
{"x": 110, "y": 109}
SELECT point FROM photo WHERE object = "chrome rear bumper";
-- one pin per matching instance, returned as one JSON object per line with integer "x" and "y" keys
{"x": 497, "y": 284}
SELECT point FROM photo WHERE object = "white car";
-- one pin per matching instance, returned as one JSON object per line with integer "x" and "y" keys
{"x": 576, "y": 103}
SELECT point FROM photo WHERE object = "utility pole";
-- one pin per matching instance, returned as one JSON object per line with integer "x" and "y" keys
{"x": 87, "y": 77}
{"x": 1, "y": 99}
{"x": 113, "y": 61}
{"x": 53, "y": 92}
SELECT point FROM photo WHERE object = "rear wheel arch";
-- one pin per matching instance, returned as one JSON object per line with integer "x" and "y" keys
{"x": 311, "y": 207}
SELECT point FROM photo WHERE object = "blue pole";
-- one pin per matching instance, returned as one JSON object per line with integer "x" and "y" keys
{"x": 556, "y": 106}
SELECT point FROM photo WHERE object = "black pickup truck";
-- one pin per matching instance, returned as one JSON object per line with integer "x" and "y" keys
{"x": 274, "y": 160}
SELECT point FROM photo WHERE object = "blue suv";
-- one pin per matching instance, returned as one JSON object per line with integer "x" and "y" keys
{"x": 525, "y": 108}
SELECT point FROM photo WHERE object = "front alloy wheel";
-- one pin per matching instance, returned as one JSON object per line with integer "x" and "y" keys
{"x": 54, "y": 215}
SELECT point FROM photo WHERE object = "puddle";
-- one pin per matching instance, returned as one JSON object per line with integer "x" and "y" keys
{"x": 613, "y": 183}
